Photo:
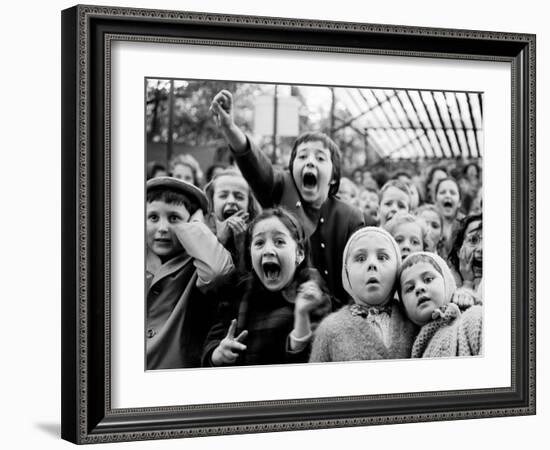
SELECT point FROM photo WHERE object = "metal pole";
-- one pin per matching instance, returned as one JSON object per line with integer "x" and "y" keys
{"x": 332, "y": 104}
{"x": 170, "y": 140}
{"x": 274, "y": 154}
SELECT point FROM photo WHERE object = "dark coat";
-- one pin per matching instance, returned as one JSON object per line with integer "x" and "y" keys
{"x": 328, "y": 228}
{"x": 267, "y": 316}
{"x": 178, "y": 317}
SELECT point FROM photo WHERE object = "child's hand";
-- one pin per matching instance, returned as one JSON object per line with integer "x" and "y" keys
{"x": 466, "y": 271}
{"x": 223, "y": 232}
{"x": 236, "y": 225}
{"x": 464, "y": 298}
{"x": 198, "y": 216}
{"x": 309, "y": 297}
{"x": 229, "y": 348}
{"x": 222, "y": 108}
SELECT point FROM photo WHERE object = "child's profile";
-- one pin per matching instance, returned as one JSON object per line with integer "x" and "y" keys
{"x": 427, "y": 288}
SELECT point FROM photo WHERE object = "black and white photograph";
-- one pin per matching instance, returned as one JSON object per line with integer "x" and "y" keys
{"x": 300, "y": 224}
{"x": 276, "y": 223}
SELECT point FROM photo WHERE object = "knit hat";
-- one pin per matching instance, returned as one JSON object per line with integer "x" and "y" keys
{"x": 440, "y": 265}
{"x": 347, "y": 249}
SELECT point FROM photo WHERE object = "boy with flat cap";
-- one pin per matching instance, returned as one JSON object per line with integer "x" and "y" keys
{"x": 183, "y": 258}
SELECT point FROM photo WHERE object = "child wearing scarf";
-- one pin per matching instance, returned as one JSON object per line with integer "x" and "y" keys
{"x": 374, "y": 325}
{"x": 426, "y": 290}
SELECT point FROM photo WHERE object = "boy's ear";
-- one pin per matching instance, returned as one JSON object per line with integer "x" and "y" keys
{"x": 299, "y": 256}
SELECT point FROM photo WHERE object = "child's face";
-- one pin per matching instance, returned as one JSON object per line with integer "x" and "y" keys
{"x": 473, "y": 242}
{"x": 347, "y": 194}
{"x": 415, "y": 198}
{"x": 274, "y": 253}
{"x": 312, "y": 172}
{"x": 368, "y": 201}
{"x": 409, "y": 238}
{"x": 231, "y": 195}
{"x": 162, "y": 221}
{"x": 183, "y": 172}
{"x": 422, "y": 291}
{"x": 434, "y": 225}
{"x": 393, "y": 200}
{"x": 368, "y": 179}
{"x": 471, "y": 172}
{"x": 437, "y": 175}
{"x": 447, "y": 198}
{"x": 372, "y": 269}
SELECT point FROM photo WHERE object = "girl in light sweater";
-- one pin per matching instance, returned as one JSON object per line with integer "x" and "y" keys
{"x": 427, "y": 288}
{"x": 374, "y": 326}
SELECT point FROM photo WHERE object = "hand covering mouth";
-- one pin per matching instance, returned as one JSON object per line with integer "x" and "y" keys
{"x": 229, "y": 211}
{"x": 309, "y": 179}
{"x": 271, "y": 270}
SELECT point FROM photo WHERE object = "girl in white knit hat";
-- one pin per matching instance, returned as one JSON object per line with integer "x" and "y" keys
{"x": 374, "y": 325}
{"x": 427, "y": 288}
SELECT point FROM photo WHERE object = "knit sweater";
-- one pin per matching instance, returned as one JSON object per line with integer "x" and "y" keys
{"x": 451, "y": 334}
{"x": 343, "y": 336}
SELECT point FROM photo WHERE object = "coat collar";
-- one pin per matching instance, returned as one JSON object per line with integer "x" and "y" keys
{"x": 169, "y": 267}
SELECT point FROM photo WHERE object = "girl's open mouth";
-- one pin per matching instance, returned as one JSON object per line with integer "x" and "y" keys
{"x": 272, "y": 270}
{"x": 447, "y": 204}
{"x": 228, "y": 212}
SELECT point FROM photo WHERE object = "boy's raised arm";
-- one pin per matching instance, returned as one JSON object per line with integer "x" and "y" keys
{"x": 254, "y": 164}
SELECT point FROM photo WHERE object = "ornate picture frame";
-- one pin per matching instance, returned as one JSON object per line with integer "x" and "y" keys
{"x": 88, "y": 33}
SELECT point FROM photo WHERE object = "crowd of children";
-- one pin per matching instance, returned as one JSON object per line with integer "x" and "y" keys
{"x": 269, "y": 265}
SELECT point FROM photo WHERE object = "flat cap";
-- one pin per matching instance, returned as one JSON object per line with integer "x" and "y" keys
{"x": 176, "y": 185}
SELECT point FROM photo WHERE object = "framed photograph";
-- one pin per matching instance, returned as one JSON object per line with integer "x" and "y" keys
{"x": 255, "y": 210}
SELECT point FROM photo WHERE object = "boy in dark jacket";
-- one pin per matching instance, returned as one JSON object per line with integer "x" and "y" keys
{"x": 307, "y": 189}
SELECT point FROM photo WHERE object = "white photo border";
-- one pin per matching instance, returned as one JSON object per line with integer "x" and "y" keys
{"x": 132, "y": 62}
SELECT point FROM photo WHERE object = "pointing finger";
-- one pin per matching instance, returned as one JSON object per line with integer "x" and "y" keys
{"x": 232, "y": 328}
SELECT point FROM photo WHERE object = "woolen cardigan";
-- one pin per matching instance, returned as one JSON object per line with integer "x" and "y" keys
{"x": 459, "y": 334}
{"x": 343, "y": 336}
